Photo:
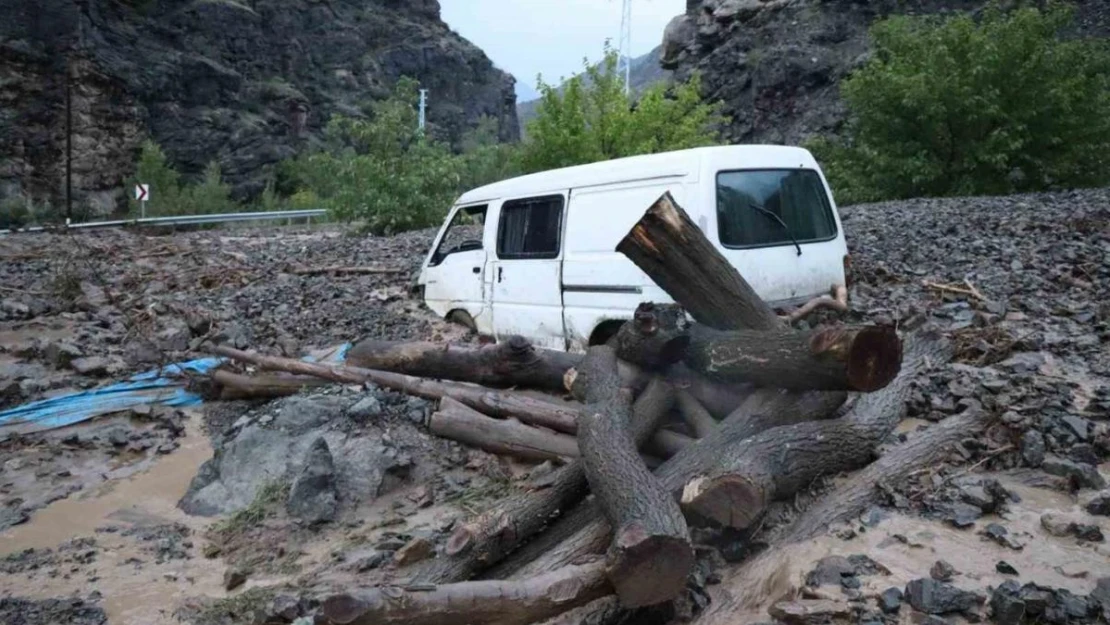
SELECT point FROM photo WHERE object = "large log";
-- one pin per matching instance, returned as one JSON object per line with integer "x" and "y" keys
{"x": 650, "y": 556}
{"x": 512, "y": 363}
{"x": 655, "y": 338}
{"x": 486, "y": 539}
{"x": 585, "y": 530}
{"x": 232, "y": 386}
{"x": 486, "y": 602}
{"x": 462, "y": 423}
{"x": 670, "y": 248}
{"x": 781, "y": 461}
{"x": 852, "y": 358}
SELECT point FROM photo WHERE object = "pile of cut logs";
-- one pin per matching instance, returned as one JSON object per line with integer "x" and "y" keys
{"x": 766, "y": 410}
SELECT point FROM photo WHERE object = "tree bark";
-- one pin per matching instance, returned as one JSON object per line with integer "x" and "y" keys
{"x": 462, "y": 423}
{"x": 487, "y": 602}
{"x": 667, "y": 443}
{"x": 851, "y": 358}
{"x": 668, "y": 246}
{"x": 719, "y": 399}
{"x": 650, "y": 555}
{"x": 694, "y": 414}
{"x": 488, "y": 538}
{"x": 655, "y": 338}
{"x": 781, "y": 461}
{"x": 553, "y": 414}
{"x": 232, "y": 386}
{"x": 512, "y": 363}
{"x": 585, "y": 530}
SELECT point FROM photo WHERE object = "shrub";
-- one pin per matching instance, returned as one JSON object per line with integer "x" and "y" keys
{"x": 210, "y": 197}
{"x": 959, "y": 106}
{"x": 165, "y": 191}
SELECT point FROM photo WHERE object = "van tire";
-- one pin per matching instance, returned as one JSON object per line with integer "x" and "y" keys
{"x": 462, "y": 318}
{"x": 605, "y": 331}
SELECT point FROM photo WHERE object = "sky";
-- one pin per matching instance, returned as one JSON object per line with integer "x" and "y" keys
{"x": 550, "y": 37}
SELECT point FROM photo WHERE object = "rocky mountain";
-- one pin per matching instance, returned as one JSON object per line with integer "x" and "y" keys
{"x": 776, "y": 64}
{"x": 245, "y": 82}
{"x": 646, "y": 71}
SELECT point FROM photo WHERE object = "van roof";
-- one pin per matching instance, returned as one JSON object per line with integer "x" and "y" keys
{"x": 663, "y": 164}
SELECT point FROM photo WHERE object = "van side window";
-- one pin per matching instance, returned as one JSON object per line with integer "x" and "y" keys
{"x": 464, "y": 233}
{"x": 530, "y": 228}
{"x": 762, "y": 208}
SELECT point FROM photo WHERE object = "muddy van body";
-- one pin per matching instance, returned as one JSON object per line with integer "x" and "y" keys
{"x": 535, "y": 255}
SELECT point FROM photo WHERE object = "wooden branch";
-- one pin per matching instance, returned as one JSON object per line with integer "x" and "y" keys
{"x": 718, "y": 398}
{"x": 512, "y": 363}
{"x": 667, "y": 443}
{"x": 462, "y": 423}
{"x": 339, "y": 269}
{"x": 838, "y": 301}
{"x": 232, "y": 386}
{"x": 486, "y": 539}
{"x": 668, "y": 246}
{"x": 781, "y": 461}
{"x": 655, "y": 338}
{"x": 968, "y": 289}
{"x": 552, "y": 414}
{"x": 855, "y": 358}
{"x": 694, "y": 414}
{"x": 650, "y": 556}
{"x": 487, "y": 602}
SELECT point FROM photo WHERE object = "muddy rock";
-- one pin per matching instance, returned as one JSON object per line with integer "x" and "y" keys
{"x": 1057, "y": 524}
{"x": 1081, "y": 475}
{"x": 60, "y": 353}
{"x": 806, "y": 611}
{"x": 890, "y": 602}
{"x": 942, "y": 571}
{"x": 1002, "y": 536}
{"x": 1005, "y": 568}
{"x": 416, "y": 550}
{"x": 234, "y": 577}
{"x": 1033, "y": 448}
{"x": 934, "y": 597}
{"x": 313, "y": 497}
{"x": 1099, "y": 505}
{"x": 70, "y": 611}
{"x": 365, "y": 409}
{"x": 91, "y": 366}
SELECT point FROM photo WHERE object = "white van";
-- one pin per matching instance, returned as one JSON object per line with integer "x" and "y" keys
{"x": 535, "y": 255}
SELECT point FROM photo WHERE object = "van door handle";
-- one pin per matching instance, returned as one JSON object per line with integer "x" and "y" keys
{"x": 477, "y": 270}
{"x": 499, "y": 270}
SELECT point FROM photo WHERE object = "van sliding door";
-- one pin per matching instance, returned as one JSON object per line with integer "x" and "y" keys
{"x": 526, "y": 277}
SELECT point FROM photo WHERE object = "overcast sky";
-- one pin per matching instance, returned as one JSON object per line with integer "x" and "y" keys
{"x": 550, "y": 37}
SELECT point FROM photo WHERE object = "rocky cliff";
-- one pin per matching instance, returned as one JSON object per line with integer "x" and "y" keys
{"x": 246, "y": 82}
{"x": 776, "y": 64}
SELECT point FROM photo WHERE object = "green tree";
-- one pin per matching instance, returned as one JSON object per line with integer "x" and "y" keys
{"x": 593, "y": 119}
{"x": 381, "y": 171}
{"x": 211, "y": 196}
{"x": 154, "y": 170}
{"x": 484, "y": 158}
{"x": 959, "y": 106}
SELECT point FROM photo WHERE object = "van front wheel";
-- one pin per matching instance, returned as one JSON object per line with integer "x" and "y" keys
{"x": 462, "y": 318}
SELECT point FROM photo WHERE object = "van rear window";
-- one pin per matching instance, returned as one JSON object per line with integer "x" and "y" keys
{"x": 768, "y": 207}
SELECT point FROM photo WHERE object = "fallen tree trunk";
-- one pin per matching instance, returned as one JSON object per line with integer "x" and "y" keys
{"x": 459, "y": 422}
{"x": 656, "y": 337}
{"x": 512, "y": 363}
{"x": 487, "y": 602}
{"x": 848, "y": 358}
{"x": 667, "y": 246}
{"x": 650, "y": 555}
{"x": 781, "y": 461}
{"x": 694, "y": 414}
{"x": 719, "y": 399}
{"x": 485, "y": 540}
{"x": 232, "y": 386}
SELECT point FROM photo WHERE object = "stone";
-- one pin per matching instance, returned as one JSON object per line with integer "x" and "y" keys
{"x": 1078, "y": 426}
{"x": 211, "y": 551}
{"x": 313, "y": 497}
{"x": 285, "y": 607}
{"x": 91, "y": 366}
{"x": 234, "y": 577}
{"x": 977, "y": 496}
{"x": 1088, "y": 532}
{"x": 805, "y": 611}
{"x": 367, "y": 408}
{"x": 1056, "y": 524}
{"x": 1006, "y": 608}
{"x": 1099, "y": 505}
{"x": 1032, "y": 448}
{"x": 414, "y": 551}
{"x": 1005, "y": 568}
{"x": 961, "y": 515}
{"x": 935, "y": 597}
{"x": 1002, "y": 536}
{"x": 942, "y": 571}
{"x": 61, "y": 353}
{"x": 890, "y": 602}
{"x": 1082, "y": 475}
{"x": 830, "y": 571}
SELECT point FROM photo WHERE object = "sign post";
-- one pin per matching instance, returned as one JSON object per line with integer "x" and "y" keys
{"x": 142, "y": 194}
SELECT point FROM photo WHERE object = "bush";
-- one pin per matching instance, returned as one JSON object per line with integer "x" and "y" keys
{"x": 593, "y": 119}
{"x": 959, "y": 106}
{"x": 211, "y": 197}
{"x": 13, "y": 213}
{"x": 165, "y": 190}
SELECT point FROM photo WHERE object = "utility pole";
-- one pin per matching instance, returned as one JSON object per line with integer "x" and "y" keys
{"x": 423, "y": 109}
{"x": 69, "y": 142}
{"x": 625, "y": 47}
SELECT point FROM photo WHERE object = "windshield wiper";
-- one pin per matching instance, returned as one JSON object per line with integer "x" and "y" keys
{"x": 779, "y": 221}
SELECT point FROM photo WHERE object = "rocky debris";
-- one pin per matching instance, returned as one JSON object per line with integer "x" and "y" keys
{"x": 1099, "y": 505}
{"x": 167, "y": 542}
{"x": 1081, "y": 474}
{"x": 934, "y": 597}
{"x": 234, "y": 577}
{"x": 1005, "y": 568}
{"x": 71, "y": 611}
{"x": 313, "y": 497}
{"x": 890, "y": 602}
{"x": 1032, "y": 603}
{"x": 414, "y": 551}
{"x": 806, "y": 611}
{"x": 942, "y": 571}
{"x": 1002, "y": 536}
{"x": 365, "y": 409}
{"x": 1063, "y": 525}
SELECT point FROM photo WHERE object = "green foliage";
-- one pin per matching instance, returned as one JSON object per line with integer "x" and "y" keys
{"x": 212, "y": 196}
{"x": 165, "y": 191}
{"x": 267, "y": 498}
{"x": 484, "y": 159}
{"x": 593, "y": 119}
{"x": 381, "y": 171}
{"x": 13, "y": 213}
{"x": 956, "y": 106}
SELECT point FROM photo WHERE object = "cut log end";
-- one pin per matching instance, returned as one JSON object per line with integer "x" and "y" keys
{"x": 342, "y": 609}
{"x": 648, "y": 569}
{"x": 731, "y": 500}
{"x": 459, "y": 541}
{"x": 875, "y": 358}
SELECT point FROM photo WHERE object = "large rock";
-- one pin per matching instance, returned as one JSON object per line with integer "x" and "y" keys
{"x": 933, "y": 597}
{"x": 313, "y": 497}
{"x": 247, "y": 83}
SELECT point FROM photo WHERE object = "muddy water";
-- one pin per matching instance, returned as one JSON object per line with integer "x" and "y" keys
{"x": 144, "y": 595}
{"x": 749, "y": 590}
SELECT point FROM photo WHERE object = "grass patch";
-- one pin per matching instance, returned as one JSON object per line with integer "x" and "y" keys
{"x": 248, "y": 606}
{"x": 265, "y": 499}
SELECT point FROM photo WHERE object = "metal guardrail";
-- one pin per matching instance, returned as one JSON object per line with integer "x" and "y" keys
{"x": 181, "y": 220}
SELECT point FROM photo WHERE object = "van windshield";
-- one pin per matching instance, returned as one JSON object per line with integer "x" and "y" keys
{"x": 767, "y": 207}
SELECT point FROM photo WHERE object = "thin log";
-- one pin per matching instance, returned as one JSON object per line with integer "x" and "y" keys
{"x": 719, "y": 399}
{"x": 585, "y": 530}
{"x": 552, "y": 414}
{"x": 667, "y": 443}
{"x": 651, "y": 554}
{"x": 837, "y": 301}
{"x": 783, "y": 460}
{"x": 853, "y": 358}
{"x": 512, "y": 363}
{"x": 487, "y": 602}
{"x": 669, "y": 247}
{"x": 488, "y": 538}
{"x": 233, "y": 386}
{"x": 462, "y": 423}
{"x": 694, "y": 414}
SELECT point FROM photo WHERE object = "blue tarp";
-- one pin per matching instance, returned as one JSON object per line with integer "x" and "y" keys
{"x": 164, "y": 386}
